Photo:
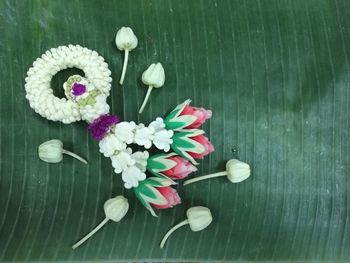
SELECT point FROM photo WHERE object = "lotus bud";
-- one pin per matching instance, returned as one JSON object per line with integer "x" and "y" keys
{"x": 125, "y": 41}
{"x": 198, "y": 218}
{"x": 52, "y": 152}
{"x": 115, "y": 209}
{"x": 236, "y": 171}
{"x": 153, "y": 77}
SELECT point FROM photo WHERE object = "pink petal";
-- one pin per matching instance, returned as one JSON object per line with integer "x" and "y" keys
{"x": 170, "y": 195}
{"x": 206, "y": 144}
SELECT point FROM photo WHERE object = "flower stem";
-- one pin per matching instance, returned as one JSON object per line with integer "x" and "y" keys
{"x": 185, "y": 222}
{"x": 75, "y": 156}
{"x": 146, "y": 99}
{"x": 125, "y": 64}
{"x": 81, "y": 241}
{"x": 204, "y": 177}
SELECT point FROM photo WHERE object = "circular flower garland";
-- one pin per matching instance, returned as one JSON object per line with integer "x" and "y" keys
{"x": 40, "y": 93}
{"x": 86, "y": 100}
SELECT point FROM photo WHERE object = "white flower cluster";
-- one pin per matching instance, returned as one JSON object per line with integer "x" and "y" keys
{"x": 38, "y": 80}
{"x": 133, "y": 165}
{"x": 92, "y": 103}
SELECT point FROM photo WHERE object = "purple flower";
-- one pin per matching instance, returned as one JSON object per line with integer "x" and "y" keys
{"x": 78, "y": 89}
{"x": 100, "y": 127}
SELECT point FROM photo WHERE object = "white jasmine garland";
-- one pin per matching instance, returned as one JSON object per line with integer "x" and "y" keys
{"x": 38, "y": 81}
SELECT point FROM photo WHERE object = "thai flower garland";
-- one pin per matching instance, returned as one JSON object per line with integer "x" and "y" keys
{"x": 177, "y": 135}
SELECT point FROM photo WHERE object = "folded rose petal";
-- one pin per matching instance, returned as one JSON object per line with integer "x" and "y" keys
{"x": 185, "y": 116}
{"x": 171, "y": 197}
{"x": 170, "y": 165}
{"x": 191, "y": 144}
{"x": 155, "y": 192}
{"x": 205, "y": 143}
{"x": 181, "y": 170}
{"x": 201, "y": 115}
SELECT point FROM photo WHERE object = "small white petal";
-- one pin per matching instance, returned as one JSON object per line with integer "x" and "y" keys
{"x": 125, "y": 131}
{"x": 110, "y": 144}
{"x": 144, "y": 137}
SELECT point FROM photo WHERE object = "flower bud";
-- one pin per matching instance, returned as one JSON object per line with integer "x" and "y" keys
{"x": 199, "y": 217}
{"x": 237, "y": 171}
{"x": 154, "y": 76}
{"x": 126, "y": 39}
{"x": 116, "y": 208}
{"x": 51, "y": 151}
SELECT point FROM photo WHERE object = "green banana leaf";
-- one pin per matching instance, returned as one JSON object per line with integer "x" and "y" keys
{"x": 275, "y": 73}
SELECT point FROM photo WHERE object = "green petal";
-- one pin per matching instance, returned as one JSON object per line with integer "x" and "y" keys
{"x": 160, "y": 181}
{"x": 160, "y": 162}
{"x": 170, "y": 121}
{"x": 144, "y": 203}
{"x": 182, "y": 144}
{"x": 150, "y": 194}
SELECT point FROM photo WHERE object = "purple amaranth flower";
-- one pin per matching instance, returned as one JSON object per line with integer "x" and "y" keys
{"x": 100, "y": 126}
{"x": 78, "y": 89}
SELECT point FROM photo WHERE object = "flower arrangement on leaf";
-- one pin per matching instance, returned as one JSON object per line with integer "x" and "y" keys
{"x": 177, "y": 132}
{"x": 151, "y": 177}
{"x": 177, "y": 135}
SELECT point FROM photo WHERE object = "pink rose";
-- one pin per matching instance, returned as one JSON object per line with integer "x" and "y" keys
{"x": 170, "y": 195}
{"x": 181, "y": 170}
{"x": 205, "y": 143}
{"x": 201, "y": 115}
